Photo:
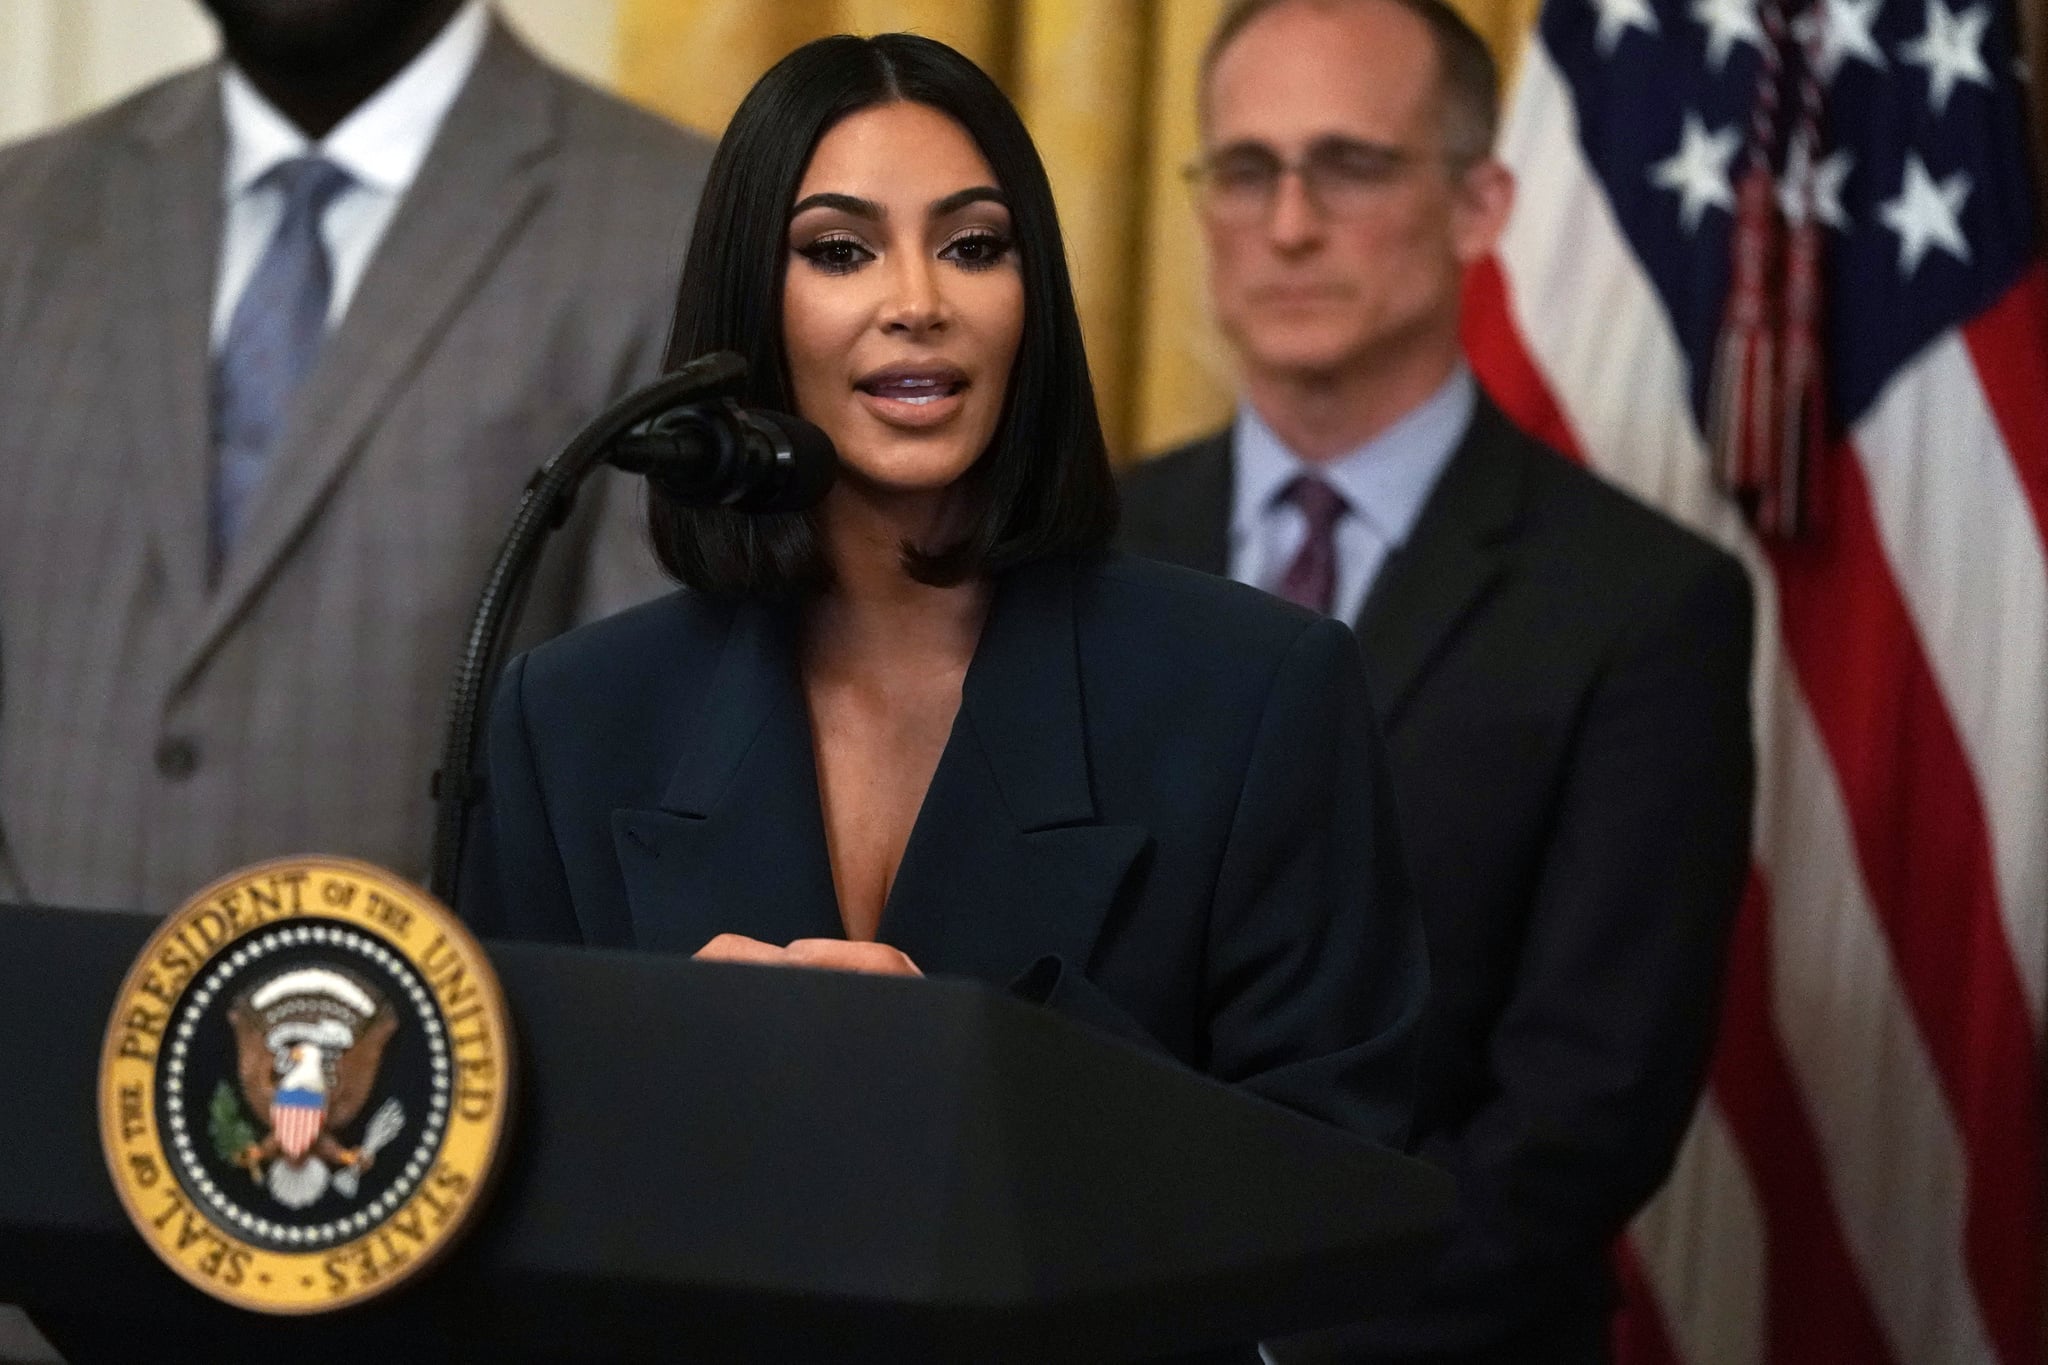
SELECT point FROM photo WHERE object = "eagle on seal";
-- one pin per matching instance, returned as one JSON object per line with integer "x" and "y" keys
{"x": 308, "y": 1042}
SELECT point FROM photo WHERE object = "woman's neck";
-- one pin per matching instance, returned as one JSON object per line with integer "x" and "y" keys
{"x": 875, "y": 615}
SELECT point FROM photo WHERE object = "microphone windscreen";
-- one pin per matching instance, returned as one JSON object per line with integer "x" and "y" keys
{"x": 805, "y": 475}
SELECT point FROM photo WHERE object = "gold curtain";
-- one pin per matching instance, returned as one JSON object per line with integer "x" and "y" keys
{"x": 1107, "y": 89}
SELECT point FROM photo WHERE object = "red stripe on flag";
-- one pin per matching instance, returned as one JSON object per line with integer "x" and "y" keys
{"x": 2009, "y": 343}
{"x": 1815, "y": 1307}
{"x": 1639, "y": 1337}
{"x": 1494, "y": 346}
{"x": 1924, "y": 849}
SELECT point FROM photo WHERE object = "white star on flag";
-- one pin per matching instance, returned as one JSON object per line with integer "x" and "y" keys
{"x": 1951, "y": 49}
{"x": 1728, "y": 22}
{"x": 1927, "y": 215}
{"x": 1617, "y": 17}
{"x": 1845, "y": 33}
{"x": 1825, "y": 180}
{"x": 1698, "y": 170}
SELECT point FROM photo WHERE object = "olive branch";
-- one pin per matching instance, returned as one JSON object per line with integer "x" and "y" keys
{"x": 230, "y": 1129}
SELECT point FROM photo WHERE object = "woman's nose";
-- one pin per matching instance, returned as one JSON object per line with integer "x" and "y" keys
{"x": 916, "y": 303}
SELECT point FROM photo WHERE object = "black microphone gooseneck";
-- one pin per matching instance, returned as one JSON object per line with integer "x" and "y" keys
{"x": 683, "y": 431}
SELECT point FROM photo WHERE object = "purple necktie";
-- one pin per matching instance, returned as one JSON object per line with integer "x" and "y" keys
{"x": 1311, "y": 580}
{"x": 275, "y": 332}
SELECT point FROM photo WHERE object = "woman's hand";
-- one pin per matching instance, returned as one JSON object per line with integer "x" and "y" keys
{"x": 844, "y": 955}
{"x": 832, "y": 954}
{"x": 740, "y": 948}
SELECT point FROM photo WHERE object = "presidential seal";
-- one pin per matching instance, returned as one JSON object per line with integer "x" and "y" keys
{"x": 304, "y": 1085}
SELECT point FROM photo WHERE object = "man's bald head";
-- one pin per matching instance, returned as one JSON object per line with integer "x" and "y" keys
{"x": 1468, "y": 79}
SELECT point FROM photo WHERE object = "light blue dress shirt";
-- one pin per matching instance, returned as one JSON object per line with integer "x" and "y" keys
{"x": 1385, "y": 482}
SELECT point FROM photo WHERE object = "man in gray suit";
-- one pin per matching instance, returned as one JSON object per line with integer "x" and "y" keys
{"x": 281, "y": 339}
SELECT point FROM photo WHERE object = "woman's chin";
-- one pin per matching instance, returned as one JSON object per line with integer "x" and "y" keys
{"x": 924, "y": 468}
{"x": 890, "y": 504}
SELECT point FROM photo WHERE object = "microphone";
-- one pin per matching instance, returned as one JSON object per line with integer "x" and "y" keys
{"x": 685, "y": 432}
{"x": 716, "y": 453}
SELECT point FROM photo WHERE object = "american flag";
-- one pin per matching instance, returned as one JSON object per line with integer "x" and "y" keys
{"x": 1863, "y": 1181}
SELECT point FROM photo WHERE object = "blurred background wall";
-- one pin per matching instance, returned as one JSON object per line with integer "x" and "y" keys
{"x": 1106, "y": 86}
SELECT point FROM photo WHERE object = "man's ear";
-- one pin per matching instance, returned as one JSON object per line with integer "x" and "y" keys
{"x": 1486, "y": 195}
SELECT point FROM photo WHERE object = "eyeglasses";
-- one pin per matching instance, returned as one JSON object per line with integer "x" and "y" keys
{"x": 1342, "y": 177}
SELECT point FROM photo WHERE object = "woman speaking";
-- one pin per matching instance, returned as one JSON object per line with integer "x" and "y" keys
{"x": 934, "y": 726}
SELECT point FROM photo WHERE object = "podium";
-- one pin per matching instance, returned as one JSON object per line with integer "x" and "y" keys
{"x": 729, "y": 1163}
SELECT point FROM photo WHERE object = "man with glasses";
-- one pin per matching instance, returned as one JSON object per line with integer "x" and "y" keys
{"x": 1562, "y": 674}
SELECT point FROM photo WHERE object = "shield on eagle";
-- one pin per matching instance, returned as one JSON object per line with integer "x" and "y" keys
{"x": 296, "y": 1116}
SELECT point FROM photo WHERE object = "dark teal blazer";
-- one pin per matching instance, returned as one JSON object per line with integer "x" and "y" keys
{"x": 1162, "y": 807}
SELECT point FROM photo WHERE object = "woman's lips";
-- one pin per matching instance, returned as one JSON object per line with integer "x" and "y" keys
{"x": 914, "y": 397}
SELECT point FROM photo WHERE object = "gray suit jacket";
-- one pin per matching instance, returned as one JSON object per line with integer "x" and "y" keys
{"x": 156, "y": 730}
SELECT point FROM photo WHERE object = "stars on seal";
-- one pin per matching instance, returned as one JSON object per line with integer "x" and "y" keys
{"x": 1927, "y": 214}
{"x": 1698, "y": 170}
{"x": 1950, "y": 50}
{"x": 1617, "y": 17}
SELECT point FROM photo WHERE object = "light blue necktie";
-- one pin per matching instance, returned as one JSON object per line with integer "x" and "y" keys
{"x": 275, "y": 333}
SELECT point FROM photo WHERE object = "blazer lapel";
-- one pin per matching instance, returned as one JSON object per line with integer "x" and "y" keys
{"x": 164, "y": 225}
{"x": 1453, "y": 558}
{"x": 1006, "y": 864}
{"x": 480, "y": 182}
{"x": 738, "y": 843}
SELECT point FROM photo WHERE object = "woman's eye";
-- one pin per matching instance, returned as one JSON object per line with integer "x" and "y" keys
{"x": 979, "y": 251}
{"x": 834, "y": 255}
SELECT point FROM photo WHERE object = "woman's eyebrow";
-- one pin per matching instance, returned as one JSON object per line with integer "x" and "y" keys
{"x": 869, "y": 209}
{"x": 960, "y": 199}
{"x": 845, "y": 203}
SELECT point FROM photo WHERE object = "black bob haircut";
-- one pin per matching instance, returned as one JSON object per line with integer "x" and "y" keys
{"x": 1043, "y": 486}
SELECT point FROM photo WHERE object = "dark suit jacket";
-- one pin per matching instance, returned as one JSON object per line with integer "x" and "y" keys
{"x": 1563, "y": 680}
{"x": 1161, "y": 806}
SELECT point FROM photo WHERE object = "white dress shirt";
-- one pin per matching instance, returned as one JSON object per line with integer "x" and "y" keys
{"x": 381, "y": 144}
{"x": 1384, "y": 484}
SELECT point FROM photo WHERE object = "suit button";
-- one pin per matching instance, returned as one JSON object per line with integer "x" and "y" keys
{"x": 177, "y": 759}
